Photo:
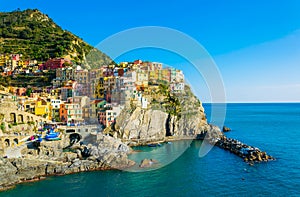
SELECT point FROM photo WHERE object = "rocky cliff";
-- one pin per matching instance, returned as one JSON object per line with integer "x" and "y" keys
{"x": 168, "y": 116}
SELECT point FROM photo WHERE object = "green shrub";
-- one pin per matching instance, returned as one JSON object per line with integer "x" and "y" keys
{"x": 2, "y": 126}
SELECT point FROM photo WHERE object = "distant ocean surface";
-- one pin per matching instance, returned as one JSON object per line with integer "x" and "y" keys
{"x": 274, "y": 128}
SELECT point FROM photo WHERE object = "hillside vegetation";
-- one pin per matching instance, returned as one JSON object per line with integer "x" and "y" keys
{"x": 35, "y": 36}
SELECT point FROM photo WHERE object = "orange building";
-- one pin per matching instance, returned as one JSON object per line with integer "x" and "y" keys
{"x": 63, "y": 113}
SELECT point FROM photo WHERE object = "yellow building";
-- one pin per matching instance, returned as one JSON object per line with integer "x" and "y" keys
{"x": 4, "y": 89}
{"x": 123, "y": 64}
{"x": 22, "y": 63}
{"x": 153, "y": 76}
{"x": 99, "y": 92}
{"x": 43, "y": 108}
{"x": 29, "y": 105}
{"x": 4, "y": 59}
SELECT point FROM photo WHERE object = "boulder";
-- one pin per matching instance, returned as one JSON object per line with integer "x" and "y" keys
{"x": 8, "y": 174}
{"x": 226, "y": 129}
{"x": 70, "y": 156}
{"x": 146, "y": 163}
{"x": 79, "y": 154}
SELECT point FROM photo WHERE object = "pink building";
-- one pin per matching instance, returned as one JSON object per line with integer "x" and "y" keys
{"x": 137, "y": 62}
{"x": 102, "y": 117}
{"x": 55, "y": 63}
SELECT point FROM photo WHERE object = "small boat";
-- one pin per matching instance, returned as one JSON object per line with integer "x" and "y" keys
{"x": 39, "y": 139}
{"x": 52, "y": 136}
{"x": 41, "y": 130}
{"x": 154, "y": 145}
{"x": 54, "y": 139}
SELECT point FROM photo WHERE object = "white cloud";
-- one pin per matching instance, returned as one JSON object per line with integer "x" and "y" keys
{"x": 285, "y": 86}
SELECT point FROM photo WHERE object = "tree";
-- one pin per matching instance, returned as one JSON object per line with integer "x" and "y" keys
{"x": 28, "y": 91}
{"x": 24, "y": 34}
{"x": 7, "y": 80}
{"x": 67, "y": 64}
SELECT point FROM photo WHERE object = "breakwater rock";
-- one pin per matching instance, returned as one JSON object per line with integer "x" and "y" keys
{"x": 250, "y": 154}
{"x": 100, "y": 152}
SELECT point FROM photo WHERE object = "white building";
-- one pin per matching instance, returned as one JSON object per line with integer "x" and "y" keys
{"x": 142, "y": 77}
{"x": 74, "y": 112}
{"x": 55, "y": 106}
{"x": 179, "y": 76}
{"x": 112, "y": 114}
{"x": 55, "y": 103}
{"x": 127, "y": 87}
{"x": 144, "y": 103}
{"x": 177, "y": 87}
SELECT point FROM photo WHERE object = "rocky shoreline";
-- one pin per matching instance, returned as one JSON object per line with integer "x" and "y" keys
{"x": 179, "y": 117}
{"x": 50, "y": 158}
{"x": 100, "y": 152}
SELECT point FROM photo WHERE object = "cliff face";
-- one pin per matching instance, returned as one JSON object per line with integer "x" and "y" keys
{"x": 178, "y": 116}
{"x": 142, "y": 124}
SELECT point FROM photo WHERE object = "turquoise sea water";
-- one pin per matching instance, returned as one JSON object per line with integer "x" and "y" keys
{"x": 274, "y": 128}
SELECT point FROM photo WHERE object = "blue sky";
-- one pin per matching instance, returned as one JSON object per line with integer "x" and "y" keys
{"x": 255, "y": 44}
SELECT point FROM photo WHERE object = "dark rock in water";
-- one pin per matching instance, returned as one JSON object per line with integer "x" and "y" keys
{"x": 226, "y": 129}
{"x": 154, "y": 161}
{"x": 146, "y": 163}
